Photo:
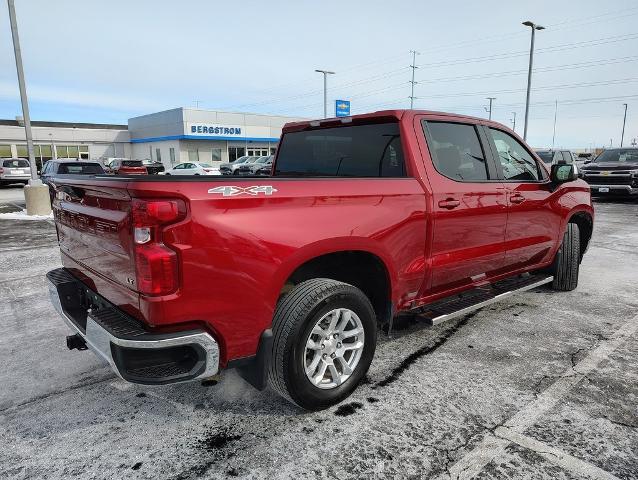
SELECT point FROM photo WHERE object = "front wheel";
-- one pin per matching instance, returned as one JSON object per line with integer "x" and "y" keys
{"x": 567, "y": 261}
{"x": 324, "y": 338}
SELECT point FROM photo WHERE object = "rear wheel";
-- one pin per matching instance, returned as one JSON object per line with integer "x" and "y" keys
{"x": 567, "y": 261}
{"x": 324, "y": 340}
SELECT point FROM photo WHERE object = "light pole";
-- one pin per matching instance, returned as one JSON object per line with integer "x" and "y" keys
{"x": 514, "y": 121}
{"x": 534, "y": 27}
{"x": 36, "y": 194}
{"x": 622, "y": 136}
{"x": 491, "y": 99}
{"x": 325, "y": 90}
{"x": 555, "y": 113}
{"x": 413, "y": 67}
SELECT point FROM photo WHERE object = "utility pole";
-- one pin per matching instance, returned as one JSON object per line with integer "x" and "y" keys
{"x": 555, "y": 112}
{"x": 534, "y": 27}
{"x": 325, "y": 90}
{"x": 624, "y": 120}
{"x": 197, "y": 102}
{"x": 513, "y": 121}
{"x": 36, "y": 194}
{"x": 413, "y": 67}
{"x": 491, "y": 99}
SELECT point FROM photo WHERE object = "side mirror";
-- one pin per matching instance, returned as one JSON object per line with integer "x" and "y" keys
{"x": 562, "y": 173}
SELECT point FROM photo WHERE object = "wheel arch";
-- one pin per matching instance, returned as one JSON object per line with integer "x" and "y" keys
{"x": 353, "y": 261}
{"x": 585, "y": 221}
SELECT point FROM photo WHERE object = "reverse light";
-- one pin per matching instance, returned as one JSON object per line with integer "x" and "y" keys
{"x": 156, "y": 264}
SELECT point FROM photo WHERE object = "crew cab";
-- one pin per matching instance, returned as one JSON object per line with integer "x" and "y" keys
{"x": 289, "y": 278}
{"x": 613, "y": 172}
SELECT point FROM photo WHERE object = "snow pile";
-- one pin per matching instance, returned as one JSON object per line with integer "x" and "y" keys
{"x": 22, "y": 215}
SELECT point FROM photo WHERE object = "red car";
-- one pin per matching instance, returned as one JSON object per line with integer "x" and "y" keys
{"x": 122, "y": 166}
{"x": 289, "y": 278}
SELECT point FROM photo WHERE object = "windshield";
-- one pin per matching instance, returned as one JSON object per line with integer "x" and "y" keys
{"x": 241, "y": 160}
{"x": 620, "y": 155}
{"x": 546, "y": 157}
{"x": 16, "y": 163}
{"x": 80, "y": 169}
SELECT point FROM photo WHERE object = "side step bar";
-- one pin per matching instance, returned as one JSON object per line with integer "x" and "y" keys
{"x": 466, "y": 302}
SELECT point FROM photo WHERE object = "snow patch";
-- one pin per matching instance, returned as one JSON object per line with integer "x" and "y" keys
{"x": 22, "y": 215}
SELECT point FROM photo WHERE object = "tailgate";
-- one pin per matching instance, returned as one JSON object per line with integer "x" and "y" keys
{"x": 94, "y": 227}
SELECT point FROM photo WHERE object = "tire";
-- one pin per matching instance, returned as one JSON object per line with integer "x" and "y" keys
{"x": 567, "y": 261}
{"x": 167, "y": 174}
{"x": 236, "y": 172}
{"x": 295, "y": 318}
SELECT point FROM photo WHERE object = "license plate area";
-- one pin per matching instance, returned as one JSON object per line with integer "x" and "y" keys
{"x": 603, "y": 189}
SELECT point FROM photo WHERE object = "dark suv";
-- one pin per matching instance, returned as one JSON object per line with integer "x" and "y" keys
{"x": 613, "y": 172}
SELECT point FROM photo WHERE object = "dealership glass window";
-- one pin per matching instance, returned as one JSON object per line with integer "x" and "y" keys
{"x": 21, "y": 150}
{"x": 61, "y": 151}
{"x": 193, "y": 156}
{"x": 273, "y": 150}
{"x": 158, "y": 155}
{"x": 171, "y": 154}
{"x": 216, "y": 154}
{"x": 235, "y": 152}
{"x": 73, "y": 151}
{"x": 5, "y": 151}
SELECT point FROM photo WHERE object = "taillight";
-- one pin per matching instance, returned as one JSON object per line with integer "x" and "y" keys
{"x": 1, "y": 170}
{"x": 156, "y": 265}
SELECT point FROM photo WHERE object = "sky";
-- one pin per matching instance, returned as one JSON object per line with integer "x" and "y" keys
{"x": 106, "y": 61}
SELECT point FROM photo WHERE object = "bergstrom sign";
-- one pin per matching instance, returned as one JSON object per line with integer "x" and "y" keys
{"x": 226, "y": 131}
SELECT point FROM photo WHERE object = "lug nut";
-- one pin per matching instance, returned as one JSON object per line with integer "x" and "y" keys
{"x": 339, "y": 345}
{"x": 323, "y": 346}
{"x": 333, "y": 355}
{"x": 336, "y": 335}
{"x": 324, "y": 356}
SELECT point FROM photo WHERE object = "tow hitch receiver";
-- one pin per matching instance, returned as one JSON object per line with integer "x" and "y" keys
{"x": 75, "y": 342}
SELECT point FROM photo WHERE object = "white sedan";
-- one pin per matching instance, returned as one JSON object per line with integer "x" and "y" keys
{"x": 193, "y": 168}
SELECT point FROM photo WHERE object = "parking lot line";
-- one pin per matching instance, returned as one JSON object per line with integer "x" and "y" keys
{"x": 554, "y": 455}
{"x": 491, "y": 446}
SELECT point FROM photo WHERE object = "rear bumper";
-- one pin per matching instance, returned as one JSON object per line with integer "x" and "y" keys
{"x": 15, "y": 178}
{"x": 134, "y": 353}
{"x": 613, "y": 189}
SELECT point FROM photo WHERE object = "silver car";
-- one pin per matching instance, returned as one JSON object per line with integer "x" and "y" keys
{"x": 14, "y": 170}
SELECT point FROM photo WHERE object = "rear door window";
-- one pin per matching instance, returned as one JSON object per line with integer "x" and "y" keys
{"x": 354, "y": 151}
{"x": 456, "y": 151}
{"x": 516, "y": 162}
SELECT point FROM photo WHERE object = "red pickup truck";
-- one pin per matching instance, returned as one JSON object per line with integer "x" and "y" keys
{"x": 288, "y": 278}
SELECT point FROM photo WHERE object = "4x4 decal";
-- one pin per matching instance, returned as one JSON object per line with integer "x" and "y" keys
{"x": 232, "y": 191}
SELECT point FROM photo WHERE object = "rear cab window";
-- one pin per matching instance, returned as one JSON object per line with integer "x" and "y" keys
{"x": 372, "y": 150}
{"x": 132, "y": 163}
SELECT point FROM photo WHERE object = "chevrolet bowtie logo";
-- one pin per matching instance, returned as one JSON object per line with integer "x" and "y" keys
{"x": 232, "y": 191}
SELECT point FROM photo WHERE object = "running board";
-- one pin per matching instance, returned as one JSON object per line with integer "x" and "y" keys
{"x": 466, "y": 302}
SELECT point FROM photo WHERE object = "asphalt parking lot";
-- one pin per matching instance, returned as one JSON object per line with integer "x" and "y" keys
{"x": 544, "y": 385}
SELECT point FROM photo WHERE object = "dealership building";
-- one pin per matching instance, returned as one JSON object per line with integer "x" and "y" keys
{"x": 170, "y": 137}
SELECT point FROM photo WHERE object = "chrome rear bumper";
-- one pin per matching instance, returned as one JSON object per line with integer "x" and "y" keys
{"x": 135, "y": 354}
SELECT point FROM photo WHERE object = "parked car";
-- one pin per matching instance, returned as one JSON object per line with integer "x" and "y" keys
{"x": 231, "y": 168}
{"x": 265, "y": 168}
{"x": 152, "y": 167}
{"x": 111, "y": 160}
{"x": 191, "y": 168}
{"x": 613, "y": 172}
{"x": 583, "y": 159}
{"x": 57, "y": 167}
{"x": 14, "y": 170}
{"x": 422, "y": 212}
{"x": 556, "y": 156}
{"x": 127, "y": 167}
{"x": 257, "y": 164}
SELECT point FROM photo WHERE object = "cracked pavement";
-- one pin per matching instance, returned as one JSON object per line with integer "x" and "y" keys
{"x": 431, "y": 400}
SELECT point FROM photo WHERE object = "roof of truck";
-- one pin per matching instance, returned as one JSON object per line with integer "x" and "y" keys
{"x": 386, "y": 115}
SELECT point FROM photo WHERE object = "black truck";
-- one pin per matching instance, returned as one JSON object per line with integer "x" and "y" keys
{"x": 613, "y": 172}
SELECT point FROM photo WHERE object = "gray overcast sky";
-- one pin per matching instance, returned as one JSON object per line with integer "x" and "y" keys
{"x": 106, "y": 61}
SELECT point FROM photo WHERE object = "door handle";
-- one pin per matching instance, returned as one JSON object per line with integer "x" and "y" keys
{"x": 449, "y": 203}
{"x": 517, "y": 198}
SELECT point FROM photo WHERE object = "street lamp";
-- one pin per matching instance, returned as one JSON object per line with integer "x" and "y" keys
{"x": 491, "y": 99}
{"x": 325, "y": 90}
{"x": 534, "y": 27}
{"x": 623, "y": 125}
